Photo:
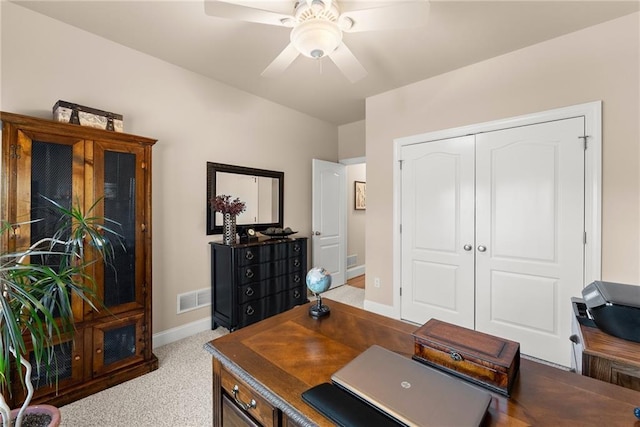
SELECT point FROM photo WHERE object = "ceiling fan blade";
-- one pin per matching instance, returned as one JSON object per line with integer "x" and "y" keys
{"x": 282, "y": 61}
{"x": 404, "y": 14}
{"x": 348, "y": 63}
{"x": 239, "y": 12}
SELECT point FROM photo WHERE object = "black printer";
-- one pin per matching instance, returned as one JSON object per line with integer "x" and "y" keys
{"x": 615, "y": 308}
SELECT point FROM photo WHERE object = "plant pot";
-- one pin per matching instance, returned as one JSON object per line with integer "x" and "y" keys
{"x": 52, "y": 411}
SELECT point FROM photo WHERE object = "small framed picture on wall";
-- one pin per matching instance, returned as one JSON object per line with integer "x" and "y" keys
{"x": 360, "y": 195}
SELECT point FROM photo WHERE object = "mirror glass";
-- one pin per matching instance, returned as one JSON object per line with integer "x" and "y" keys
{"x": 261, "y": 190}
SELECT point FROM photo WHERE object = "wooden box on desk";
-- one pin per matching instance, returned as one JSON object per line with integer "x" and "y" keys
{"x": 484, "y": 359}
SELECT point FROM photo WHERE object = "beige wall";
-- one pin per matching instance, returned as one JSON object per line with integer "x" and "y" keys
{"x": 195, "y": 120}
{"x": 351, "y": 138}
{"x": 598, "y": 63}
{"x": 355, "y": 218}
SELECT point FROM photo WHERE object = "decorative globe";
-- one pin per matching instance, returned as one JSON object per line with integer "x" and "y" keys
{"x": 318, "y": 280}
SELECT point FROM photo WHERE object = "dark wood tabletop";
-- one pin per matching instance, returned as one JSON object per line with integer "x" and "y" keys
{"x": 291, "y": 352}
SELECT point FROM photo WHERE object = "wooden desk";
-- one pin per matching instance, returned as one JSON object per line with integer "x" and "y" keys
{"x": 275, "y": 360}
{"x": 605, "y": 357}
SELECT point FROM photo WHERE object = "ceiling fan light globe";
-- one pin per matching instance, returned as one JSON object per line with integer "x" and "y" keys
{"x": 316, "y": 38}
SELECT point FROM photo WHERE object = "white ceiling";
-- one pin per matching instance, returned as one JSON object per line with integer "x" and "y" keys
{"x": 456, "y": 34}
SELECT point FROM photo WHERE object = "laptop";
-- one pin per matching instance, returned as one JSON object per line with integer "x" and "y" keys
{"x": 410, "y": 392}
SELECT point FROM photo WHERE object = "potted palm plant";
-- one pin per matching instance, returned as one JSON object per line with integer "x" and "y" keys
{"x": 37, "y": 285}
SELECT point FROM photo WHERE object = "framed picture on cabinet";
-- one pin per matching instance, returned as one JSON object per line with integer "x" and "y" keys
{"x": 360, "y": 195}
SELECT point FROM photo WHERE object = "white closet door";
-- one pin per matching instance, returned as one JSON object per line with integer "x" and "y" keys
{"x": 438, "y": 222}
{"x": 529, "y": 234}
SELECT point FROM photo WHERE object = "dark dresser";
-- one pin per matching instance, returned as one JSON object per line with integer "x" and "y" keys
{"x": 252, "y": 281}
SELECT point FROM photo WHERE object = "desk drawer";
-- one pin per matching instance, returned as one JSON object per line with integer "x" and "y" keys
{"x": 232, "y": 416}
{"x": 250, "y": 401}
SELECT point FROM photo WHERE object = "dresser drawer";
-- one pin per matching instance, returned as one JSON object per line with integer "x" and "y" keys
{"x": 248, "y": 400}
{"x": 248, "y": 256}
{"x": 257, "y": 290}
{"x": 295, "y": 264}
{"x": 274, "y": 252}
{"x": 295, "y": 279}
{"x": 297, "y": 248}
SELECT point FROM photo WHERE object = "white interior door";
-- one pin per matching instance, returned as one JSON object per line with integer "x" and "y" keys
{"x": 438, "y": 231}
{"x": 329, "y": 222}
{"x": 529, "y": 234}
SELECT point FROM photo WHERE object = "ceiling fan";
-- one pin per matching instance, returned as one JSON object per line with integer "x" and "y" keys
{"x": 317, "y": 26}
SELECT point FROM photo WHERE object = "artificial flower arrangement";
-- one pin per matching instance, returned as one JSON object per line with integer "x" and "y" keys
{"x": 223, "y": 204}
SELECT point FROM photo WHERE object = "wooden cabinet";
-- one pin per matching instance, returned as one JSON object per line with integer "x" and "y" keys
{"x": 75, "y": 165}
{"x": 252, "y": 281}
{"x": 605, "y": 357}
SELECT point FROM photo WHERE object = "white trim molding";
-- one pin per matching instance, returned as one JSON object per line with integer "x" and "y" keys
{"x": 180, "y": 332}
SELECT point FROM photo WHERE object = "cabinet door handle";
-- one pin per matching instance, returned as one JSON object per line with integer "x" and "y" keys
{"x": 249, "y": 273}
{"x": 482, "y": 248}
{"x": 244, "y": 406}
{"x": 249, "y": 292}
{"x": 99, "y": 350}
{"x": 250, "y": 311}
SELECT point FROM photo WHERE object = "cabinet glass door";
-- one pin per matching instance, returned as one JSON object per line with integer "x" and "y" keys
{"x": 66, "y": 363}
{"x": 46, "y": 165}
{"x": 120, "y": 180}
{"x": 118, "y": 343}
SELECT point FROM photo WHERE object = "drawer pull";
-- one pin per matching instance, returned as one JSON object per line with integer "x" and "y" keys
{"x": 249, "y": 292}
{"x": 296, "y": 294}
{"x": 296, "y": 278}
{"x": 296, "y": 262}
{"x": 249, "y": 273}
{"x": 250, "y": 310}
{"x": 249, "y": 255}
{"x": 296, "y": 248}
{"x": 244, "y": 406}
{"x": 455, "y": 356}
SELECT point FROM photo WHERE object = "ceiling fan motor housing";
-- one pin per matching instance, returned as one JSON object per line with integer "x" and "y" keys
{"x": 317, "y": 33}
{"x": 316, "y": 38}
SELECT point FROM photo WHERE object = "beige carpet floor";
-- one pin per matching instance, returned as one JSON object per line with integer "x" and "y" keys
{"x": 177, "y": 394}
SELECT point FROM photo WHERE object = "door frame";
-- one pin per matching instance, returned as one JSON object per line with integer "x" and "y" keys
{"x": 591, "y": 111}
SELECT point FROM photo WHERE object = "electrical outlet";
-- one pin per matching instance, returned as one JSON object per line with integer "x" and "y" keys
{"x": 376, "y": 282}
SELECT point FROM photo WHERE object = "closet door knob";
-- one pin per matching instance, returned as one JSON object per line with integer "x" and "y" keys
{"x": 482, "y": 248}
{"x": 467, "y": 247}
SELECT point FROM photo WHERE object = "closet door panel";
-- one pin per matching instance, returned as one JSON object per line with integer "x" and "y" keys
{"x": 437, "y": 223}
{"x": 529, "y": 234}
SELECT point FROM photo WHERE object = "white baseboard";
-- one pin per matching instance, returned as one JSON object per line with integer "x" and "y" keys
{"x": 356, "y": 271}
{"x": 180, "y": 332}
{"x": 382, "y": 309}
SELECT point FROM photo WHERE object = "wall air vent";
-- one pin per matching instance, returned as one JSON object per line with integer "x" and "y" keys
{"x": 194, "y": 300}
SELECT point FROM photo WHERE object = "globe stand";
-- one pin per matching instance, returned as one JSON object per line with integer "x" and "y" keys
{"x": 319, "y": 310}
